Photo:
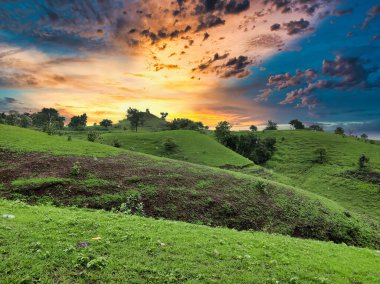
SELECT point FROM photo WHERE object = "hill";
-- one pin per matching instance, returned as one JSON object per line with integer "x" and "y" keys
{"x": 45, "y": 170}
{"x": 41, "y": 245}
{"x": 338, "y": 179}
{"x": 193, "y": 147}
{"x": 150, "y": 123}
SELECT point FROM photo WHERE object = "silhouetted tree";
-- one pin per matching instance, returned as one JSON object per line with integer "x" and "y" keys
{"x": 164, "y": 115}
{"x": 271, "y": 125}
{"x": 106, "y": 123}
{"x": 223, "y": 131}
{"x": 297, "y": 124}
{"x": 135, "y": 117}
{"x": 339, "y": 130}
{"x": 253, "y": 128}
{"x": 364, "y": 136}
{"x": 48, "y": 119}
{"x": 185, "y": 123}
{"x": 316, "y": 127}
{"x": 78, "y": 122}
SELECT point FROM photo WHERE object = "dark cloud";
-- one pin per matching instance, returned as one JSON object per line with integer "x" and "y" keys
{"x": 209, "y": 21}
{"x": 306, "y": 6}
{"x": 275, "y": 27}
{"x": 296, "y": 27}
{"x": 12, "y": 80}
{"x": 343, "y": 12}
{"x": 208, "y": 6}
{"x": 207, "y": 64}
{"x": 235, "y": 67}
{"x": 283, "y": 81}
{"x": 236, "y": 7}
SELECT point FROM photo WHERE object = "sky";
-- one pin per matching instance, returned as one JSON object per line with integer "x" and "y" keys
{"x": 209, "y": 60}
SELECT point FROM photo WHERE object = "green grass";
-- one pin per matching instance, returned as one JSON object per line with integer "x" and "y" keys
{"x": 183, "y": 191}
{"x": 193, "y": 147}
{"x": 19, "y": 139}
{"x": 31, "y": 182}
{"x": 41, "y": 245}
{"x": 293, "y": 164}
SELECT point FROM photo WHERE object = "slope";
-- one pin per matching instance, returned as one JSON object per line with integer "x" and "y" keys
{"x": 166, "y": 188}
{"x": 193, "y": 147}
{"x": 338, "y": 179}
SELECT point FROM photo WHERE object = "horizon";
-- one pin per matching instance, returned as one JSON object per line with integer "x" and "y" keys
{"x": 316, "y": 61}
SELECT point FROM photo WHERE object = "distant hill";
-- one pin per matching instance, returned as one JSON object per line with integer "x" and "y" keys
{"x": 151, "y": 123}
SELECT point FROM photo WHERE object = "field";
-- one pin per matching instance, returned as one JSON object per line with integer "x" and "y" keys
{"x": 41, "y": 245}
{"x": 338, "y": 179}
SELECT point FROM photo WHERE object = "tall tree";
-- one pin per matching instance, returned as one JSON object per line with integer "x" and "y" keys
{"x": 48, "y": 118}
{"x": 106, "y": 123}
{"x": 339, "y": 130}
{"x": 78, "y": 122}
{"x": 316, "y": 127}
{"x": 164, "y": 115}
{"x": 297, "y": 124}
{"x": 135, "y": 117}
{"x": 253, "y": 128}
{"x": 271, "y": 125}
{"x": 223, "y": 131}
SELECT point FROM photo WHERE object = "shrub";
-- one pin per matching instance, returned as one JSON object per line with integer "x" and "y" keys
{"x": 69, "y": 138}
{"x": 169, "y": 145}
{"x": 92, "y": 136}
{"x": 321, "y": 155}
{"x": 76, "y": 169}
{"x": 363, "y": 160}
{"x": 116, "y": 143}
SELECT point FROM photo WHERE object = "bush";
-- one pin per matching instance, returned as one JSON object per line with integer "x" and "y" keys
{"x": 321, "y": 155}
{"x": 116, "y": 143}
{"x": 76, "y": 169}
{"x": 92, "y": 136}
{"x": 169, "y": 145}
{"x": 363, "y": 160}
{"x": 69, "y": 138}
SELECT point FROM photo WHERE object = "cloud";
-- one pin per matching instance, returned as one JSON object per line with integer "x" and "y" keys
{"x": 263, "y": 96}
{"x": 296, "y": 27}
{"x": 371, "y": 15}
{"x": 209, "y": 21}
{"x": 275, "y": 27}
{"x": 235, "y": 67}
{"x": 236, "y": 7}
{"x": 342, "y": 12}
{"x": 283, "y": 81}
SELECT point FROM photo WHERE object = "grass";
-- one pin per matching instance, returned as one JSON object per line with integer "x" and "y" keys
{"x": 19, "y": 139}
{"x": 181, "y": 191}
{"x": 193, "y": 147}
{"x": 32, "y": 182}
{"x": 41, "y": 245}
{"x": 293, "y": 164}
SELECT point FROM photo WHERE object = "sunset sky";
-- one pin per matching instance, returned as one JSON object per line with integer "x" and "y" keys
{"x": 209, "y": 60}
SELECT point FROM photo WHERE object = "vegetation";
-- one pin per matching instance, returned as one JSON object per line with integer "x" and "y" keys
{"x": 296, "y": 124}
{"x": 316, "y": 127}
{"x": 253, "y": 128}
{"x": 321, "y": 155}
{"x": 41, "y": 244}
{"x": 271, "y": 125}
{"x": 106, "y": 123}
{"x": 363, "y": 160}
{"x": 339, "y": 130}
{"x": 78, "y": 122}
{"x": 185, "y": 123}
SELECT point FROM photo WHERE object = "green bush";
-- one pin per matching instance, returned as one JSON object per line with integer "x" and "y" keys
{"x": 92, "y": 136}
{"x": 169, "y": 145}
{"x": 76, "y": 169}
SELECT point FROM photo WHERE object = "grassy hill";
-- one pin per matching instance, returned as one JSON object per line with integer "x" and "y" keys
{"x": 41, "y": 245}
{"x": 151, "y": 123}
{"x": 42, "y": 171}
{"x": 193, "y": 147}
{"x": 337, "y": 179}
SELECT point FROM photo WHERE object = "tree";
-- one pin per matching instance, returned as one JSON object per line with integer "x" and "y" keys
{"x": 321, "y": 155}
{"x": 78, "y": 122}
{"x": 271, "y": 125}
{"x": 185, "y": 123}
{"x": 135, "y": 117}
{"x": 164, "y": 115}
{"x": 253, "y": 128}
{"x": 339, "y": 130}
{"x": 223, "y": 131}
{"x": 297, "y": 124}
{"x": 363, "y": 160}
{"x": 364, "y": 136}
{"x": 106, "y": 123}
{"x": 48, "y": 118}
{"x": 316, "y": 127}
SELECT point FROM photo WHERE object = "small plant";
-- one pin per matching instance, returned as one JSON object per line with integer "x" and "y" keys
{"x": 97, "y": 263}
{"x": 92, "y": 136}
{"x": 169, "y": 145}
{"x": 132, "y": 206}
{"x": 321, "y": 155}
{"x": 76, "y": 169}
{"x": 363, "y": 160}
{"x": 116, "y": 143}
{"x": 69, "y": 138}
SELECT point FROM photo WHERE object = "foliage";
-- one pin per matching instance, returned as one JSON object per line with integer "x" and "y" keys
{"x": 106, "y": 123}
{"x": 364, "y": 136}
{"x": 78, "y": 122}
{"x": 223, "y": 131}
{"x": 135, "y": 117}
{"x": 321, "y": 155}
{"x": 76, "y": 169}
{"x": 271, "y": 125}
{"x": 169, "y": 145}
{"x": 185, "y": 123}
{"x": 296, "y": 124}
{"x": 164, "y": 115}
{"x": 339, "y": 130}
{"x": 92, "y": 136}
{"x": 253, "y": 128}
{"x": 48, "y": 118}
{"x": 116, "y": 143}
{"x": 363, "y": 160}
{"x": 316, "y": 127}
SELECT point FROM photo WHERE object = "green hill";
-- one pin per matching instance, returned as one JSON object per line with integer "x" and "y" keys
{"x": 150, "y": 123}
{"x": 41, "y": 245}
{"x": 166, "y": 188}
{"x": 338, "y": 179}
{"x": 193, "y": 147}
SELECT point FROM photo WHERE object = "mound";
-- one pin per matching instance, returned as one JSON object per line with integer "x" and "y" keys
{"x": 338, "y": 179}
{"x": 171, "y": 189}
{"x": 193, "y": 147}
{"x": 41, "y": 245}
